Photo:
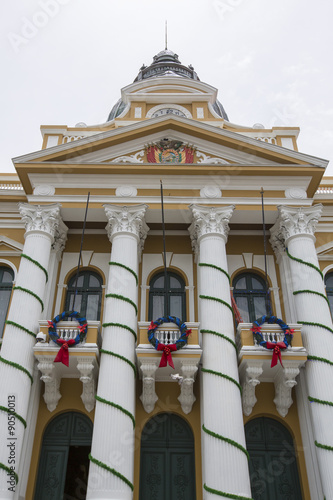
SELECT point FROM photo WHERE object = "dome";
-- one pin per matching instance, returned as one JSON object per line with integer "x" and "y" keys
{"x": 165, "y": 63}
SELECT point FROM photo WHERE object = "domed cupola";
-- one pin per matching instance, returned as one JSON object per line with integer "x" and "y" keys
{"x": 166, "y": 63}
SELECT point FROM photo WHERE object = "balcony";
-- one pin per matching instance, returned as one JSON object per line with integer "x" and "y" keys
{"x": 186, "y": 362}
{"x": 83, "y": 362}
{"x": 255, "y": 365}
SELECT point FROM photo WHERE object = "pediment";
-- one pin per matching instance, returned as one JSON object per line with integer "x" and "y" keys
{"x": 9, "y": 247}
{"x": 214, "y": 145}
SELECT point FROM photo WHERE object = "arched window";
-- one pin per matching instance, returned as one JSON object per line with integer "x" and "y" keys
{"x": 171, "y": 293}
{"x": 273, "y": 464}
{"x": 329, "y": 289}
{"x": 167, "y": 469}
{"x": 6, "y": 285}
{"x": 89, "y": 295}
{"x": 250, "y": 294}
{"x": 64, "y": 459}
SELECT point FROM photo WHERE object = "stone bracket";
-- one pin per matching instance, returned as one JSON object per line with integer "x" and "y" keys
{"x": 187, "y": 398}
{"x": 249, "y": 380}
{"x": 52, "y": 374}
{"x": 52, "y": 381}
{"x": 88, "y": 379}
{"x": 148, "y": 396}
{"x": 284, "y": 382}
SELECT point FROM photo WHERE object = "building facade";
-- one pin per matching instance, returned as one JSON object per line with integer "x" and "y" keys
{"x": 242, "y": 409}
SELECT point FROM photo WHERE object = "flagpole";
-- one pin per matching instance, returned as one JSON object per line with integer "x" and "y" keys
{"x": 79, "y": 261}
{"x": 164, "y": 255}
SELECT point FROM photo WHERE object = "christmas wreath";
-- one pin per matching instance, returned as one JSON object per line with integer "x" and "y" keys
{"x": 276, "y": 346}
{"x": 62, "y": 355}
{"x": 168, "y": 348}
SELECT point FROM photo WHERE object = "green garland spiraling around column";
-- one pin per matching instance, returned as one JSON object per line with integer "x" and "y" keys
{"x": 324, "y": 446}
{"x": 320, "y": 325}
{"x": 127, "y": 269}
{"x": 30, "y": 293}
{"x": 203, "y": 264}
{"x": 118, "y": 407}
{"x": 18, "y": 367}
{"x": 320, "y": 401}
{"x": 132, "y": 365}
{"x": 121, "y": 297}
{"x": 223, "y": 375}
{"x": 109, "y": 469}
{"x": 227, "y": 440}
{"x": 37, "y": 264}
{"x": 226, "y": 495}
{"x": 314, "y": 293}
{"x": 9, "y": 472}
{"x": 309, "y": 323}
{"x": 21, "y": 419}
{"x": 222, "y": 337}
{"x": 104, "y": 325}
{"x": 305, "y": 263}
{"x": 317, "y": 358}
{"x": 8, "y": 322}
{"x": 217, "y": 300}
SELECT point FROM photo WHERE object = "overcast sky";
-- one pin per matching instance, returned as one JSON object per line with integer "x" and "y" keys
{"x": 65, "y": 61}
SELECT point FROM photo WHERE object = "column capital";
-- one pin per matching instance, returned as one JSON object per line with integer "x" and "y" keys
{"x": 60, "y": 238}
{"x": 209, "y": 220}
{"x": 42, "y": 218}
{"x": 127, "y": 220}
{"x": 296, "y": 221}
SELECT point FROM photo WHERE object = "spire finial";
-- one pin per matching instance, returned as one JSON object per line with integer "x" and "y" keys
{"x": 166, "y": 35}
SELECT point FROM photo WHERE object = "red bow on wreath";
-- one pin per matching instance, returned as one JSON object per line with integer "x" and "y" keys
{"x": 63, "y": 356}
{"x": 276, "y": 346}
{"x": 166, "y": 356}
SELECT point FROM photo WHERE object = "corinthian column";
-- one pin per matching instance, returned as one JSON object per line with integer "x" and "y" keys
{"x": 17, "y": 360}
{"x": 112, "y": 453}
{"x": 225, "y": 463}
{"x": 296, "y": 227}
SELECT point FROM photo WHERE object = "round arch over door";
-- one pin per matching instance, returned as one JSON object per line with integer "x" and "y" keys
{"x": 167, "y": 466}
{"x": 273, "y": 463}
{"x": 64, "y": 463}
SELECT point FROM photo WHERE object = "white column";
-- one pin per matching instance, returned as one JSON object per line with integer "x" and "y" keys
{"x": 296, "y": 226}
{"x": 112, "y": 453}
{"x": 25, "y": 311}
{"x": 225, "y": 464}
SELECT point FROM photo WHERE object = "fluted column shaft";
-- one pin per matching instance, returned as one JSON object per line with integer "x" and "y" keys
{"x": 112, "y": 453}
{"x": 42, "y": 224}
{"x": 225, "y": 463}
{"x": 296, "y": 226}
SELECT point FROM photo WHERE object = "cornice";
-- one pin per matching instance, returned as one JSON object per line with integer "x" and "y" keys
{"x": 75, "y": 146}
